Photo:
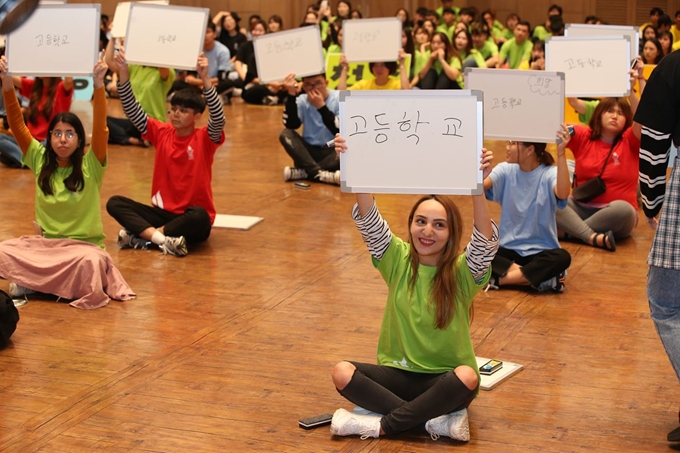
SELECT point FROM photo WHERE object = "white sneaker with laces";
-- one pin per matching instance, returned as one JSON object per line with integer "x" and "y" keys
{"x": 174, "y": 246}
{"x": 347, "y": 423}
{"x": 329, "y": 177}
{"x": 18, "y": 290}
{"x": 127, "y": 240}
{"x": 292, "y": 173}
{"x": 454, "y": 425}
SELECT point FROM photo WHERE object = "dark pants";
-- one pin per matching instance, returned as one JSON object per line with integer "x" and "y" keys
{"x": 434, "y": 81}
{"x": 222, "y": 86}
{"x": 121, "y": 130}
{"x": 406, "y": 399}
{"x": 311, "y": 158}
{"x": 136, "y": 217}
{"x": 256, "y": 94}
{"x": 536, "y": 268}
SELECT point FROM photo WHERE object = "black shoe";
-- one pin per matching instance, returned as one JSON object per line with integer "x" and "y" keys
{"x": 10, "y": 162}
{"x": 674, "y": 436}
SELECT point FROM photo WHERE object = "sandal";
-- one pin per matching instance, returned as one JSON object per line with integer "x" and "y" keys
{"x": 604, "y": 241}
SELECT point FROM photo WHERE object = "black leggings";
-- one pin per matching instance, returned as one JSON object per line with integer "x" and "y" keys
{"x": 121, "y": 130}
{"x": 136, "y": 217}
{"x": 434, "y": 81}
{"x": 536, "y": 268}
{"x": 406, "y": 399}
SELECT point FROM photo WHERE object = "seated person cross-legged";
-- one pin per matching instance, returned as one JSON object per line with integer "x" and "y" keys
{"x": 183, "y": 209}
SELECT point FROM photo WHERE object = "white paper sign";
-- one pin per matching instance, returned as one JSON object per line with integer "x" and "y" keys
{"x": 371, "y": 39}
{"x": 120, "y": 17}
{"x": 165, "y": 36}
{"x": 606, "y": 30}
{"x": 57, "y": 40}
{"x": 297, "y": 51}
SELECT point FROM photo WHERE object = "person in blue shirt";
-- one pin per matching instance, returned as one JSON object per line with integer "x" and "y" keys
{"x": 316, "y": 110}
{"x": 530, "y": 188}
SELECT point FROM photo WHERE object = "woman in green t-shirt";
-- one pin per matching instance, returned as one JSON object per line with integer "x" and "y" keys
{"x": 426, "y": 370}
{"x": 441, "y": 71}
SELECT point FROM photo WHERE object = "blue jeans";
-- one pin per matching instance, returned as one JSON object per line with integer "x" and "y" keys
{"x": 10, "y": 151}
{"x": 663, "y": 292}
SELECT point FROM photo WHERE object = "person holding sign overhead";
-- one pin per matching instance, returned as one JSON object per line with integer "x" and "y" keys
{"x": 382, "y": 72}
{"x": 183, "y": 209}
{"x": 530, "y": 189}
{"x": 316, "y": 111}
{"x": 426, "y": 371}
{"x": 48, "y": 96}
{"x": 609, "y": 148}
{"x": 68, "y": 180}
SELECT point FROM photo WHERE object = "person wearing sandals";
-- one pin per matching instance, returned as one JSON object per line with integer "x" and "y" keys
{"x": 610, "y": 146}
{"x": 530, "y": 188}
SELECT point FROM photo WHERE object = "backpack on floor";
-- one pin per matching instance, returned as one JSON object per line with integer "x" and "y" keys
{"x": 9, "y": 317}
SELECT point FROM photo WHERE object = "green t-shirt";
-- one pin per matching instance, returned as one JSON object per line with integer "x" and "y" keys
{"x": 150, "y": 91}
{"x": 541, "y": 33}
{"x": 421, "y": 60}
{"x": 515, "y": 53}
{"x": 440, "y": 11}
{"x": 590, "y": 109}
{"x": 488, "y": 50}
{"x": 448, "y": 31}
{"x": 66, "y": 214}
{"x": 408, "y": 337}
{"x": 456, "y": 63}
{"x": 334, "y": 48}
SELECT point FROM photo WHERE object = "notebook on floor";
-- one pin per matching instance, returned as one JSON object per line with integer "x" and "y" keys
{"x": 509, "y": 369}
{"x": 239, "y": 222}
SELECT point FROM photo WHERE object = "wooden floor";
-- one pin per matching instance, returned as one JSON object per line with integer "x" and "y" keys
{"x": 226, "y": 349}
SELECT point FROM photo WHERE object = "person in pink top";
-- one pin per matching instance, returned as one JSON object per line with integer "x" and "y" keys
{"x": 47, "y": 96}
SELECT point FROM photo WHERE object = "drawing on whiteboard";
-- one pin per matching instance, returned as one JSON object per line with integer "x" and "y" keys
{"x": 286, "y": 44}
{"x": 453, "y": 126}
{"x": 581, "y": 63}
{"x": 167, "y": 38}
{"x": 505, "y": 103}
{"x": 52, "y": 40}
{"x": 542, "y": 85}
{"x": 365, "y": 37}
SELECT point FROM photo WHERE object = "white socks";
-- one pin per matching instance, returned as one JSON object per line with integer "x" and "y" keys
{"x": 158, "y": 238}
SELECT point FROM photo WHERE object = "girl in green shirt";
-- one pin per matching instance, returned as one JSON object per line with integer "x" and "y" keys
{"x": 441, "y": 71}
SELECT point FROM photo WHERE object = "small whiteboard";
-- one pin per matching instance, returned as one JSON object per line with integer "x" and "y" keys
{"x": 592, "y": 66}
{"x": 412, "y": 142}
{"x": 525, "y": 106}
{"x": 120, "y": 17}
{"x": 606, "y": 30}
{"x": 165, "y": 36}
{"x": 298, "y": 51}
{"x": 371, "y": 39}
{"x": 57, "y": 40}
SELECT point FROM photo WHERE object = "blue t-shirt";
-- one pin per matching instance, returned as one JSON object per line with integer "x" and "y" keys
{"x": 219, "y": 59}
{"x": 314, "y": 131}
{"x": 528, "y": 205}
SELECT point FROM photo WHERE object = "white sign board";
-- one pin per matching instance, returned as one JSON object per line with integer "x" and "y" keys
{"x": 592, "y": 66}
{"x": 415, "y": 142}
{"x": 165, "y": 36}
{"x": 120, "y": 17}
{"x": 607, "y": 30}
{"x": 57, "y": 40}
{"x": 371, "y": 39}
{"x": 525, "y": 106}
{"x": 298, "y": 51}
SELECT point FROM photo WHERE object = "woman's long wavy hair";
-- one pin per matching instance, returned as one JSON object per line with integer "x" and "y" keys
{"x": 445, "y": 288}
{"x": 39, "y": 85}
{"x": 75, "y": 181}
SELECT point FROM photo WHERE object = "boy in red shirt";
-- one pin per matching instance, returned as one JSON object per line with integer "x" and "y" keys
{"x": 181, "y": 192}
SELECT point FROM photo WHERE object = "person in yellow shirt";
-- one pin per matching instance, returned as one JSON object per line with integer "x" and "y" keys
{"x": 675, "y": 28}
{"x": 382, "y": 72}
{"x": 654, "y": 15}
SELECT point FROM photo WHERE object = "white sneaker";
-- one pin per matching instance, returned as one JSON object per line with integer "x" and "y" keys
{"x": 329, "y": 177}
{"x": 127, "y": 240}
{"x": 19, "y": 291}
{"x": 346, "y": 423}
{"x": 454, "y": 425}
{"x": 292, "y": 173}
{"x": 174, "y": 246}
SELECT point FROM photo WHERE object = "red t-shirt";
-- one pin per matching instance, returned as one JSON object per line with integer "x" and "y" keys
{"x": 62, "y": 103}
{"x": 182, "y": 173}
{"x": 621, "y": 173}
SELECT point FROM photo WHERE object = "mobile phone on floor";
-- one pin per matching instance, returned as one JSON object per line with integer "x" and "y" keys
{"x": 490, "y": 367}
{"x": 315, "y": 421}
{"x": 302, "y": 185}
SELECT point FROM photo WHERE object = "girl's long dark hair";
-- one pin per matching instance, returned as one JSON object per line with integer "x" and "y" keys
{"x": 37, "y": 95}
{"x": 445, "y": 287}
{"x": 75, "y": 181}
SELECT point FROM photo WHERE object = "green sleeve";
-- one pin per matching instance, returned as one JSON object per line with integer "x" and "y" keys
{"x": 590, "y": 108}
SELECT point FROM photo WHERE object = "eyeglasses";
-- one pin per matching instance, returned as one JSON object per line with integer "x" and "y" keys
{"x": 70, "y": 135}
{"x": 313, "y": 86}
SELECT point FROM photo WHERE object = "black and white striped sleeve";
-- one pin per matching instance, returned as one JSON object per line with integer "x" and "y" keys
{"x": 216, "y": 121}
{"x": 480, "y": 251}
{"x": 374, "y": 230}
{"x": 654, "y": 150}
{"x": 131, "y": 107}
